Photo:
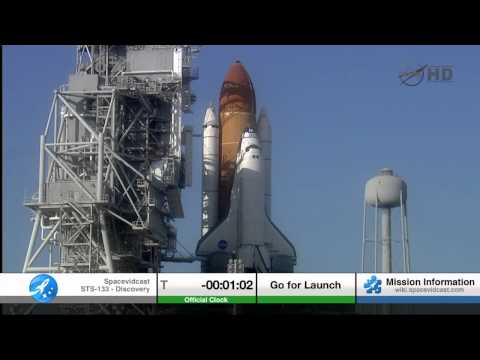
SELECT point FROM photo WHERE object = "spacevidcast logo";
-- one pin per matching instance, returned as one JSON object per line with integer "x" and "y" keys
{"x": 43, "y": 288}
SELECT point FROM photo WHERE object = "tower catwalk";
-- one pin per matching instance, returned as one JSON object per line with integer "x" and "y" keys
{"x": 114, "y": 158}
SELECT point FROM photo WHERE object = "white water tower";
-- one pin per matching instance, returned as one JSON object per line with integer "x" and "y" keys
{"x": 383, "y": 193}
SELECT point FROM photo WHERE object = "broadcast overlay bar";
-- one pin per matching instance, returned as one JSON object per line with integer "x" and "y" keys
{"x": 241, "y": 288}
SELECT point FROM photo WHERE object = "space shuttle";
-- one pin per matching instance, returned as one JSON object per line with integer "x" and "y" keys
{"x": 236, "y": 184}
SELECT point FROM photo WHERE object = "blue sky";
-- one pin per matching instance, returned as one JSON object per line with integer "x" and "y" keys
{"x": 338, "y": 114}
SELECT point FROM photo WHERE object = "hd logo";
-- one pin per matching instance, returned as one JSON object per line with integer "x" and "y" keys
{"x": 373, "y": 285}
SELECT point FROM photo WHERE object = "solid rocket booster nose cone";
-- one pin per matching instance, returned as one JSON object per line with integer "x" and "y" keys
{"x": 263, "y": 118}
{"x": 210, "y": 117}
{"x": 263, "y": 125}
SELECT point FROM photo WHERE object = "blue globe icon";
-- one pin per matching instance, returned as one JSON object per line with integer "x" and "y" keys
{"x": 43, "y": 288}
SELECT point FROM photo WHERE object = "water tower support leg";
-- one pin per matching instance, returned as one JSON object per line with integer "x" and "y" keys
{"x": 364, "y": 234}
{"x": 386, "y": 241}
{"x": 375, "y": 241}
{"x": 407, "y": 241}
{"x": 404, "y": 244}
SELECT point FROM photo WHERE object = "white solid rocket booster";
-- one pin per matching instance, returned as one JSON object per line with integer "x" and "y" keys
{"x": 210, "y": 170}
{"x": 265, "y": 135}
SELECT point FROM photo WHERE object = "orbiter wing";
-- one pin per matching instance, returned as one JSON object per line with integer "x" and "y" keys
{"x": 280, "y": 245}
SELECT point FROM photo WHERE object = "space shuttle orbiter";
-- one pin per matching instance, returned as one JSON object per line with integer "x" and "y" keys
{"x": 236, "y": 193}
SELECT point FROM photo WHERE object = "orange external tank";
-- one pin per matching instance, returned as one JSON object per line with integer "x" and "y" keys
{"x": 236, "y": 113}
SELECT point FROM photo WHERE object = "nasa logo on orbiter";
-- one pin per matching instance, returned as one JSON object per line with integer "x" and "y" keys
{"x": 222, "y": 244}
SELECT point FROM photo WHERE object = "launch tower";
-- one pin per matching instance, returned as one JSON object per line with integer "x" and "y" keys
{"x": 114, "y": 158}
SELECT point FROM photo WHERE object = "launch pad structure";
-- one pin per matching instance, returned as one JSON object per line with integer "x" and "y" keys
{"x": 114, "y": 158}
